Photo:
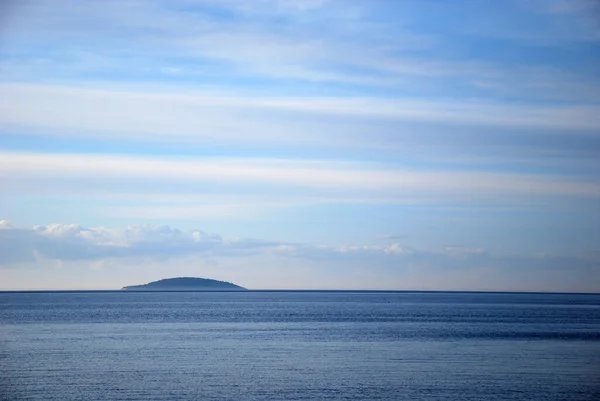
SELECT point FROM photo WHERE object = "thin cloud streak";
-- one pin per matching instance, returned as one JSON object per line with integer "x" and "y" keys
{"x": 322, "y": 176}
{"x": 71, "y": 108}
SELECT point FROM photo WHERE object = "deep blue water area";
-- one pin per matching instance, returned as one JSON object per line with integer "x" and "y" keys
{"x": 299, "y": 346}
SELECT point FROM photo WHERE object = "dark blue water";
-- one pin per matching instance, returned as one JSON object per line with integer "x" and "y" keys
{"x": 299, "y": 346}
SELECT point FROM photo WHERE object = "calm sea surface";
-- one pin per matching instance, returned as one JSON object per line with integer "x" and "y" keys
{"x": 299, "y": 346}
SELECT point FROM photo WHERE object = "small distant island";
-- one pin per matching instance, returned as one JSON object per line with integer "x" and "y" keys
{"x": 186, "y": 284}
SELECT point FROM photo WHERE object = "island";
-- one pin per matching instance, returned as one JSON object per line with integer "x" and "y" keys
{"x": 186, "y": 284}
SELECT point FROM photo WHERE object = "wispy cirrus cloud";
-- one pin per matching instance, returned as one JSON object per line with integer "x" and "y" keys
{"x": 53, "y": 105}
{"x": 255, "y": 174}
{"x": 273, "y": 41}
{"x": 433, "y": 129}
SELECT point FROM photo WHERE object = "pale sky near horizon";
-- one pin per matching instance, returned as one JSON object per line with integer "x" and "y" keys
{"x": 316, "y": 144}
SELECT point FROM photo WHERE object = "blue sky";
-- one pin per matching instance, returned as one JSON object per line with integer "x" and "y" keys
{"x": 301, "y": 144}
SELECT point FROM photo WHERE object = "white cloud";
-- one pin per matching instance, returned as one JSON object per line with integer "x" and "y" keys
{"x": 73, "y": 242}
{"x": 105, "y": 113}
{"x": 73, "y": 248}
{"x": 307, "y": 178}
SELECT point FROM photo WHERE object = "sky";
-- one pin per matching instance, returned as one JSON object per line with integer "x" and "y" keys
{"x": 307, "y": 144}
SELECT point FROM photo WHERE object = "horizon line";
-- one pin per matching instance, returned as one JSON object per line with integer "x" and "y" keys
{"x": 308, "y": 290}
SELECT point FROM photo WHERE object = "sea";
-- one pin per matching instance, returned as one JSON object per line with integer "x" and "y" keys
{"x": 299, "y": 345}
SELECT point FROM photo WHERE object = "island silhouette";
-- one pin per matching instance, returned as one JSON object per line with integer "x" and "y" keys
{"x": 186, "y": 284}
